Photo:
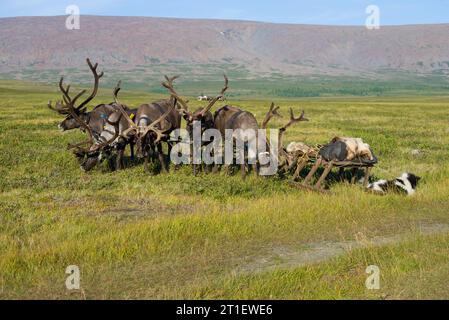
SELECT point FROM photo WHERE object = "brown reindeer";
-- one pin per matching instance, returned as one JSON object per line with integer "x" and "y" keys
{"x": 92, "y": 123}
{"x": 238, "y": 120}
{"x": 202, "y": 115}
{"x": 96, "y": 120}
{"x": 93, "y": 143}
{"x": 111, "y": 137}
{"x": 151, "y": 127}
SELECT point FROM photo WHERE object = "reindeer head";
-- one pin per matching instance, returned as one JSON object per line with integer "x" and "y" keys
{"x": 69, "y": 123}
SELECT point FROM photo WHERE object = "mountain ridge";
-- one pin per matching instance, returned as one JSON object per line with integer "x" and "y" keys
{"x": 148, "y": 46}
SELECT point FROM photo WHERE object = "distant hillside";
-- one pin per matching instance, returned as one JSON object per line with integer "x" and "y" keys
{"x": 142, "y": 49}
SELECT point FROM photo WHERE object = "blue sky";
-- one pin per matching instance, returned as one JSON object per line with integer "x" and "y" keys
{"x": 330, "y": 12}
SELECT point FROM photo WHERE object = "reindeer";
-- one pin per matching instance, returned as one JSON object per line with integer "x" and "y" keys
{"x": 153, "y": 124}
{"x": 238, "y": 120}
{"x": 93, "y": 123}
{"x": 227, "y": 117}
{"x": 111, "y": 137}
{"x": 95, "y": 119}
{"x": 230, "y": 117}
{"x": 202, "y": 115}
{"x": 93, "y": 142}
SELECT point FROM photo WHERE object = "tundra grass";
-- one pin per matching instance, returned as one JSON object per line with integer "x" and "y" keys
{"x": 173, "y": 235}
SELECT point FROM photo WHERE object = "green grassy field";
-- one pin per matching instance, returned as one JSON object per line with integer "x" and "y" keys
{"x": 216, "y": 236}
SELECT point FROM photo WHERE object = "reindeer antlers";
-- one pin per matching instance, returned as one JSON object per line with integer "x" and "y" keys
{"x": 132, "y": 125}
{"x": 153, "y": 126}
{"x": 270, "y": 114}
{"x": 211, "y": 104}
{"x": 116, "y": 91}
{"x": 59, "y": 108}
{"x": 168, "y": 84}
{"x": 97, "y": 78}
{"x": 185, "y": 108}
{"x": 294, "y": 120}
{"x": 141, "y": 132}
{"x": 74, "y": 111}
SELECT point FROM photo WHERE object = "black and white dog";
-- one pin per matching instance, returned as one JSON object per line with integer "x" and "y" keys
{"x": 406, "y": 183}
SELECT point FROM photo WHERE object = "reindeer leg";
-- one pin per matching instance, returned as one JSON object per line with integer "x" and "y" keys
{"x": 120, "y": 165}
{"x": 111, "y": 163}
{"x": 255, "y": 169}
{"x": 161, "y": 157}
{"x": 216, "y": 167}
{"x": 243, "y": 170}
{"x": 194, "y": 168}
{"x": 169, "y": 148}
{"x": 131, "y": 147}
{"x": 145, "y": 164}
{"x": 151, "y": 153}
{"x": 208, "y": 168}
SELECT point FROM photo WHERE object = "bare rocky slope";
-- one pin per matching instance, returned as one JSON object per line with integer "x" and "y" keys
{"x": 129, "y": 43}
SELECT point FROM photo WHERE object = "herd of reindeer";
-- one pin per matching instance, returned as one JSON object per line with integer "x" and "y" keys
{"x": 111, "y": 127}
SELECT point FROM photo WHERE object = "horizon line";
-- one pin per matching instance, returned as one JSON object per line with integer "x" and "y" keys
{"x": 228, "y": 20}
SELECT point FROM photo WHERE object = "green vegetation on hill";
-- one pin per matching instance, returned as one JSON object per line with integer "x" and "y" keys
{"x": 207, "y": 79}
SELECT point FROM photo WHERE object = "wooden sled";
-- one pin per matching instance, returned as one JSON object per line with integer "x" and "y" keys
{"x": 319, "y": 186}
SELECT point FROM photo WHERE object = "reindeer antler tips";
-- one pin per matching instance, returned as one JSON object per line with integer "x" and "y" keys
{"x": 89, "y": 63}
{"x": 276, "y": 113}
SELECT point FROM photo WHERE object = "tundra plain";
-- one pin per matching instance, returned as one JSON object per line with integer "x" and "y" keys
{"x": 135, "y": 235}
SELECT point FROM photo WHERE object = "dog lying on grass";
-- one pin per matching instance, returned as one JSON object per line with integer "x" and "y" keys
{"x": 406, "y": 183}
